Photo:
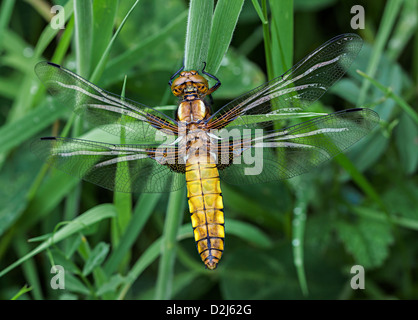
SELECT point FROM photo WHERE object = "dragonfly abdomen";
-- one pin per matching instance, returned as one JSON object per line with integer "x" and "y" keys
{"x": 206, "y": 210}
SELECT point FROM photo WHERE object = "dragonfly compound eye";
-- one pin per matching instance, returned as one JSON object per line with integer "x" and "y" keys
{"x": 177, "y": 90}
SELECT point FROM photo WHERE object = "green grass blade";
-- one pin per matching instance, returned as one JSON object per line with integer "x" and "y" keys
{"x": 104, "y": 14}
{"x": 360, "y": 179}
{"x": 260, "y": 12}
{"x": 29, "y": 268}
{"x": 83, "y": 27}
{"x": 267, "y": 41}
{"x": 224, "y": 22}
{"x": 64, "y": 43}
{"x": 386, "y": 25}
{"x": 387, "y": 91}
{"x": 281, "y": 35}
{"x": 404, "y": 31}
{"x": 175, "y": 211}
{"x": 6, "y": 10}
{"x": 21, "y": 292}
{"x": 198, "y": 33}
{"x": 15, "y": 133}
{"x": 49, "y": 33}
{"x": 378, "y": 216}
{"x": 122, "y": 201}
{"x": 298, "y": 230}
{"x": 247, "y": 232}
{"x": 415, "y": 61}
{"x": 83, "y": 21}
{"x": 71, "y": 209}
{"x": 128, "y": 59}
{"x": 103, "y": 59}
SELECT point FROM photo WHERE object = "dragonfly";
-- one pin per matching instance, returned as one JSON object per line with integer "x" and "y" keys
{"x": 241, "y": 143}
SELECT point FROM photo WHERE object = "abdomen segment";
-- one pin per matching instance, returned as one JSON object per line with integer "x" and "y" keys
{"x": 206, "y": 210}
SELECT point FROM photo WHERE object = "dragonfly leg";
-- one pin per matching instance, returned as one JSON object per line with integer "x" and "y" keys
{"x": 217, "y": 84}
{"x": 175, "y": 75}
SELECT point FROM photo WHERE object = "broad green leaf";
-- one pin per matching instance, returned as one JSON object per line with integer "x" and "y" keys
{"x": 346, "y": 89}
{"x": 367, "y": 240}
{"x": 96, "y": 257}
{"x": 368, "y": 151}
{"x": 402, "y": 201}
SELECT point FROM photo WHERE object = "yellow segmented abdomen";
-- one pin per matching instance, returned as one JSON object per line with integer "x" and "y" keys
{"x": 206, "y": 210}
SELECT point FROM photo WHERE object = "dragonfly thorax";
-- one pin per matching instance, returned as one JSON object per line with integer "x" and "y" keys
{"x": 192, "y": 111}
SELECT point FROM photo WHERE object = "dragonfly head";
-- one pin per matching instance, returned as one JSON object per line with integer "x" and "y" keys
{"x": 189, "y": 83}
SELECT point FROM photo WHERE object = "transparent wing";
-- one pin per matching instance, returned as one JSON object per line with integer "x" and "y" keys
{"x": 103, "y": 108}
{"x": 299, "y": 87}
{"x": 283, "y": 154}
{"x": 122, "y": 168}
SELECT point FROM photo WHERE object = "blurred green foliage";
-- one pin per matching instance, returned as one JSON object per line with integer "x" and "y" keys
{"x": 296, "y": 239}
